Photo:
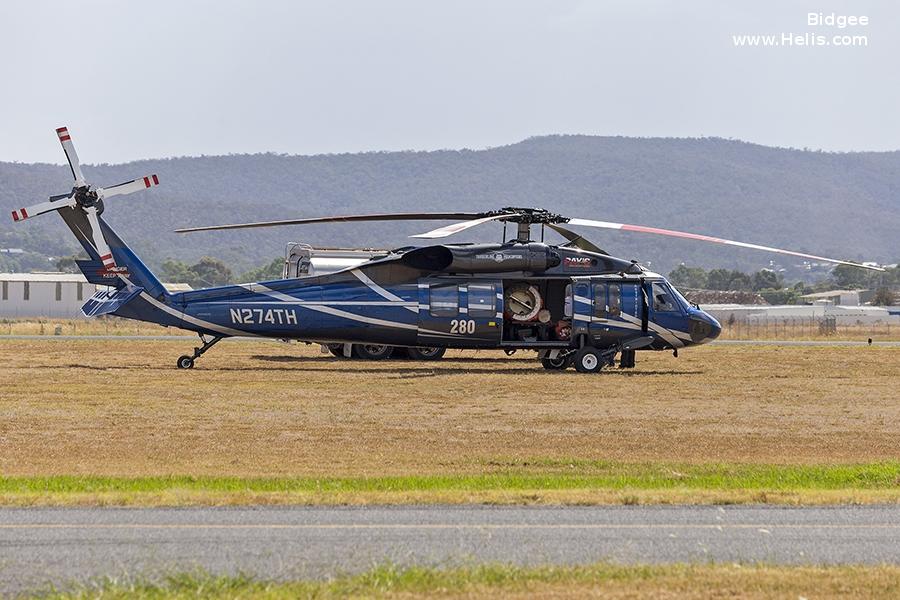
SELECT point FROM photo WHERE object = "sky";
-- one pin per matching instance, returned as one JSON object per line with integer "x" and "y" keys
{"x": 137, "y": 80}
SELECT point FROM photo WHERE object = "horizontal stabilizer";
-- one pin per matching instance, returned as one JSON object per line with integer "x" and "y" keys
{"x": 105, "y": 302}
{"x": 96, "y": 273}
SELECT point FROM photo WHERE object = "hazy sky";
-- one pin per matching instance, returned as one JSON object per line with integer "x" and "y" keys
{"x": 151, "y": 79}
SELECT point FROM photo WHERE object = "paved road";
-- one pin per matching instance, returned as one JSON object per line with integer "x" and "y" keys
{"x": 39, "y": 545}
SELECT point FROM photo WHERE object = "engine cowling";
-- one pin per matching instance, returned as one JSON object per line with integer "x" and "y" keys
{"x": 483, "y": 258}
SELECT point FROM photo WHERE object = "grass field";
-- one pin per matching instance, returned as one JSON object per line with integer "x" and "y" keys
{"x": 772, "y": 329}
{"x": 718, "y": 424}
{"x": 497, "y": 581}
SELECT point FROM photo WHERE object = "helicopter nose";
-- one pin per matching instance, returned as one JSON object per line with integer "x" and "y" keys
{"x": 715, "y": 329}
{"x": 704, "y": 328}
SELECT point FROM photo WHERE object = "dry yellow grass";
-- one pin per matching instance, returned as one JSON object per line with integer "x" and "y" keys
{"x": 500, "y": 581}
{"x": 120, "y": 408}
{"x": 773, "y": 329}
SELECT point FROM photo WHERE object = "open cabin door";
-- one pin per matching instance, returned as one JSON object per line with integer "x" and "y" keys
{"x": 460, "y": 314}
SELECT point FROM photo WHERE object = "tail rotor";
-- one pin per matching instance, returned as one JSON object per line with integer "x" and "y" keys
{"x": 87, "y": 198}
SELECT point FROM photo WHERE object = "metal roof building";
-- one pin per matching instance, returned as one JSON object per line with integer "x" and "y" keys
{"x": 61, "y": 295}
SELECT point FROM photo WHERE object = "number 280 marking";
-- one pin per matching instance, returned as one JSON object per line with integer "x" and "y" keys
{"x": 462, "y": 326}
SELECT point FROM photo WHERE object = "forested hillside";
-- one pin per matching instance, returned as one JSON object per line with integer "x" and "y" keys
{"x": 842, "y": 205}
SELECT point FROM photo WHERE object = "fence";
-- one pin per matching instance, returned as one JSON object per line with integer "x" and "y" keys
{"x": 787, "y": 328}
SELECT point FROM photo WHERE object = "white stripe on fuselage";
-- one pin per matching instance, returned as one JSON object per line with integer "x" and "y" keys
{"x": 383, "y": 292}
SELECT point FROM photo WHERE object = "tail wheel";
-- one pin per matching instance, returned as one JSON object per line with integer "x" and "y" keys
{"x": 426, "y": 353}
{"x": 587, "y": 360}
{"x": 372, "y": 351}
{"x": 559, "y": 363}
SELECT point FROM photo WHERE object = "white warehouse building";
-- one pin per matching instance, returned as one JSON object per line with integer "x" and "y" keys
{"x": 59, "y": 295}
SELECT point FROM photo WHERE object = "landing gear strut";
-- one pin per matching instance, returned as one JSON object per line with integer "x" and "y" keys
{"x": 187, "y": 362}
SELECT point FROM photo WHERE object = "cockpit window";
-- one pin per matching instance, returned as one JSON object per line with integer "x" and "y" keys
{"x": 679, "y": 297}
{"x": 663, "y": 299}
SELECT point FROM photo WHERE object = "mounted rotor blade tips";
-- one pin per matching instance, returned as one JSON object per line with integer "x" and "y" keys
{"x": 129, "y": 187}
{"x": 457, "y": 227}
{"x": 576, "y": 240}
{"x": 707, "y": 238}
{"x": 54, "y": 203}
{"x": 100, "y": 244}
{"x": 69, "y": 148}
{"x": 338, "y": 219}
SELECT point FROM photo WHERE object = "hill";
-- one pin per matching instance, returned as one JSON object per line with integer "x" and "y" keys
{"x": 836, "y": 204}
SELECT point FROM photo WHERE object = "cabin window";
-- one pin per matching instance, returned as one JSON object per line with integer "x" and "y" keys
{"x": 614, "y": 300}
{"x": 58, "y": 291}
{"x": 6, "y": 290}
{"x": 481, "y": 300}
{"x": 26, "y": 291}
{"x": 663, "y": 301}
{"x": 600, "y": 300}
{"x": 444, "y": 300}
{"x": 567, "y": 307}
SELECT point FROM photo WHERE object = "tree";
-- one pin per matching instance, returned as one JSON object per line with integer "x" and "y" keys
{"x": 207, "y": 272}
{"x": 767, "y": 279}
{"x": 884, "y": 297}
{"x": 690, "y": 277}
{"x": 719, "y": 279}
{"x": 176, "y": 271}
{"x": 67, "y": 264}
{"x": 268, "y": 272}
{"x": 210, "y": 272}
{"x": 849, "y": 277}
{"x": 740, "y": 281}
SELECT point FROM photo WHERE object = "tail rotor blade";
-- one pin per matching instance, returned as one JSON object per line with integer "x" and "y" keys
{"x": 69, "y": 148}
{"x": 54, "y": 203}
{"x": 100, "y": 244}
{"x": 129, "y": 187}
{"x": 707, "y": 238}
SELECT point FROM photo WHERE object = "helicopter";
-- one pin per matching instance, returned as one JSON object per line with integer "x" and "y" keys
{"x": 573, "y": 303}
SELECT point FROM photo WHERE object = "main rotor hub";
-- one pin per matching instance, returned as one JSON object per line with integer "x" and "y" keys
{"x": 526, "y": 217}
{"x": 530, "y": 216}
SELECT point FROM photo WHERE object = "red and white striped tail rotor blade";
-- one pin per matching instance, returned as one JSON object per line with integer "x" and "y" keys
{"x": 457, "y": 227}
{"x": 707, "y": 238}
{"x": 44, "y": 207}
{"x": 129, "y": 187}
{"x": 69, "y": 148}
{"x": 100, "y": 244}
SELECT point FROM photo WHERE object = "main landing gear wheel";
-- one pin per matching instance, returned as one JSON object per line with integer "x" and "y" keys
{"x": 373, "y": 351}
{"x": 185, "y": 362}
{"x": 426, "y": 353}
{"x": 560, "y": 363}
{"x": 587, "y": 360}
{"x": 337, "y": 350}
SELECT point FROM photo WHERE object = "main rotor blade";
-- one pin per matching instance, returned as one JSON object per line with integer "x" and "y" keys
{"x": 707, "y": 238}
{"x": 129, "y": 187}
{"x": 457, "y": 227}
{"x": 339, "y": 219}
{"x": 55, "y": 202}
{"x": 100, "y": 244}
{"x": 69, "y": 148}
{"x": 577, "y": 240}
